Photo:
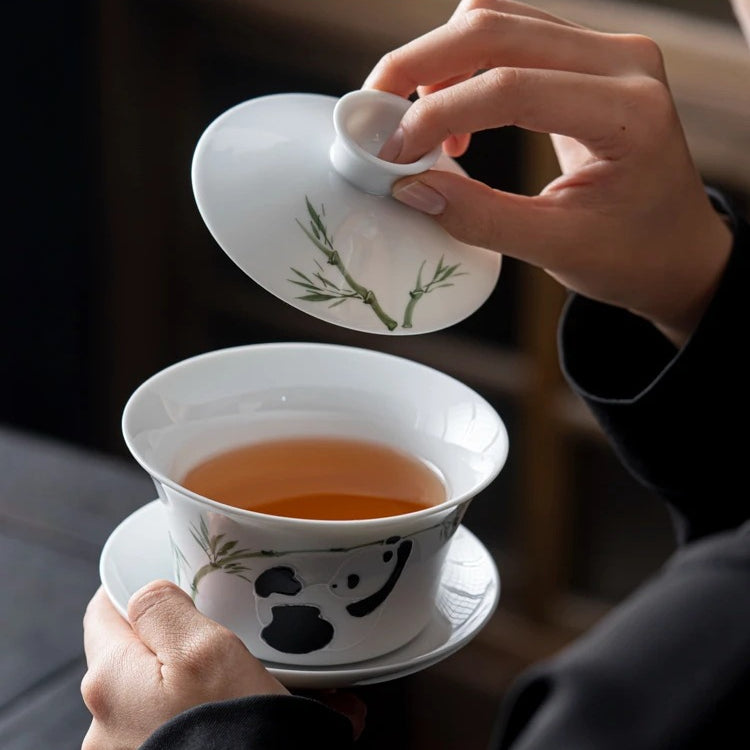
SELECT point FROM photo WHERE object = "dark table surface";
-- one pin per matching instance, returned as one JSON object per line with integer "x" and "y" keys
{"x": 58, "y": 505}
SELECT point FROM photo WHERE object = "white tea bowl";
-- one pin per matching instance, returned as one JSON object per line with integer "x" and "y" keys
{"x": 299, "y": 591}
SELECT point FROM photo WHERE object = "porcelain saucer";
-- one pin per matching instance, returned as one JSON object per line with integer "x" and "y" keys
{"x": 289, "y": 186}
{"x": 137, "y": 552}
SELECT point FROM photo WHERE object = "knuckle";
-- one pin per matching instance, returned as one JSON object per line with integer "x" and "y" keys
{"x": 211, "y": 649}
{"x": 428, "y": 112}
{"x": 646, "y": 52}
{"x": 650, "y": 94}
{"x": 503, "y": 79}
{"x": 89, "y": 741}
{"x": 467, "y": 6}
{"x": 480, "y": 20}
{"x": 88, "y": 613}
{"x": 99, "y": 685}
{"x": 148, "y": 597}
{"x": 95, "y": 693}
{"x": 393, "y": 63}
{"x": 389, "y": 60}
{"x": 647, "y": 103}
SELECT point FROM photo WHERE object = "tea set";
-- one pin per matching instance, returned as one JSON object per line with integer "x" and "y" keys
{"x": 291, "y": 188}
{"x": 469, "y": 590}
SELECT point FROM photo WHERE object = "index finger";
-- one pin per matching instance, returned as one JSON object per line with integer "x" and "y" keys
{"x": 509, "y": 6}
{"x": 602, "y": 113}
{"x": 484, "y": 40}
{"x": 432, "y": 60}
{"x": 103, "y": 627}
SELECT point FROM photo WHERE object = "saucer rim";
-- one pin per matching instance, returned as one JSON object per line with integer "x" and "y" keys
{"x": 371, "y": 671}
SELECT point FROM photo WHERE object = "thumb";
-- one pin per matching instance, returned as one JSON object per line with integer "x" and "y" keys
{"x": 166, "y": 620}
{"x": 516, "y": 225}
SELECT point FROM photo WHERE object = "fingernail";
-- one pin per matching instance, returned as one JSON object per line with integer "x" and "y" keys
{"x": 392, "y": 147}
{"x": 422, "y": 197}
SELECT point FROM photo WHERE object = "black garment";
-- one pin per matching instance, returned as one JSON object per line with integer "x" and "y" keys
{"x": 262, "y": 722}
{"x": 669, "y": 668}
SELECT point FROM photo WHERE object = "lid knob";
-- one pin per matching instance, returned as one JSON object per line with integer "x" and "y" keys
{"x": 364, "y": 120}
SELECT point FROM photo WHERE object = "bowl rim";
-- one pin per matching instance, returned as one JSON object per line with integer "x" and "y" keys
{"x": 266, "y": 518}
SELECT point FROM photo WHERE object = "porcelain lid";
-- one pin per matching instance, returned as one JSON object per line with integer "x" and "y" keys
{"x": 290, "y": 187}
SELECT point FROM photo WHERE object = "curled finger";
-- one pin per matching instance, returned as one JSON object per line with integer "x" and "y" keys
{"x": 510, "y": 6}
{"x": 482, "y": 39}
{"x": 604, "y": 114}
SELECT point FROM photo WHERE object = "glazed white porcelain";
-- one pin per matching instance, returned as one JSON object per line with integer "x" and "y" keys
{"x": 291, "y": 188}
{"x": 137, "y": 552}
{"x": 284, "y": 585}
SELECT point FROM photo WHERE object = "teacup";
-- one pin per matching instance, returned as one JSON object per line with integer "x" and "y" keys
{"x": 306, "y": 591}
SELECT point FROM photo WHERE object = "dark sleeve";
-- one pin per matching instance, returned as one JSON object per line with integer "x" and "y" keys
{"x": 669, "y": 667}
{"x": 678, "y": 421}
{"x": 264, "y": 722}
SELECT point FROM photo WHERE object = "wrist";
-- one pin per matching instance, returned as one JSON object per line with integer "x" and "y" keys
{"x": 704, "y": 267}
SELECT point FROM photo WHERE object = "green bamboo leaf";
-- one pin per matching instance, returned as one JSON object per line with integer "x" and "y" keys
{"x": 241, "y": 554}
{"x": 315, "y": 216}
{"x": 326, "y": 282}
{"x": 177, "y": 551}
{"x": 317, "y": 297}
{"x": 444, "y": 274}
{"x": 205, "y": 533}
{"x": 234, "y": 567}
{"x": 201, "y": 542}
{"x": 226, "y": 547}
{"x": 305, "y": 285}
{"x": 418, "y": 285}
{"x": 303, "y": 276}
{"x": 309, "y": 287}
{"x": 338, "y": 302}
{"x": 215, "y": 542}
{"x": 448, "y": 271}
{"x": 438, "y": 268}
{"x": 200, "y": 575}
{"x": 328, "y": 252}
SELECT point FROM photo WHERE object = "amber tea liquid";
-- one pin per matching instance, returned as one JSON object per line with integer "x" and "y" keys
{"x": 318, "y": 478}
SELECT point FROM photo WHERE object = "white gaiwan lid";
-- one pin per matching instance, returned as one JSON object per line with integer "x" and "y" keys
{"x": 291, "y": 189}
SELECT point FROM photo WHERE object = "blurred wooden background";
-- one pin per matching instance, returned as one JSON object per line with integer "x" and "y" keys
{"x": 111, "y": 275}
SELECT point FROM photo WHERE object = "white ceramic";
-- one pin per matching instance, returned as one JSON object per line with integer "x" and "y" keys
{"x": 299, "y": 591}
{"x": 137, "y": 552}
{"x": 290, "y": 187}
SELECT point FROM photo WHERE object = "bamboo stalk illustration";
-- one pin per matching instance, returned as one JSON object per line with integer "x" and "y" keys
{"x": 320, "y": 288}
{"x": 221, "y": 556}
{"x": 225, "y": 556}
{"x": 318, "y": 235}
{"x": 439, "y": 280}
